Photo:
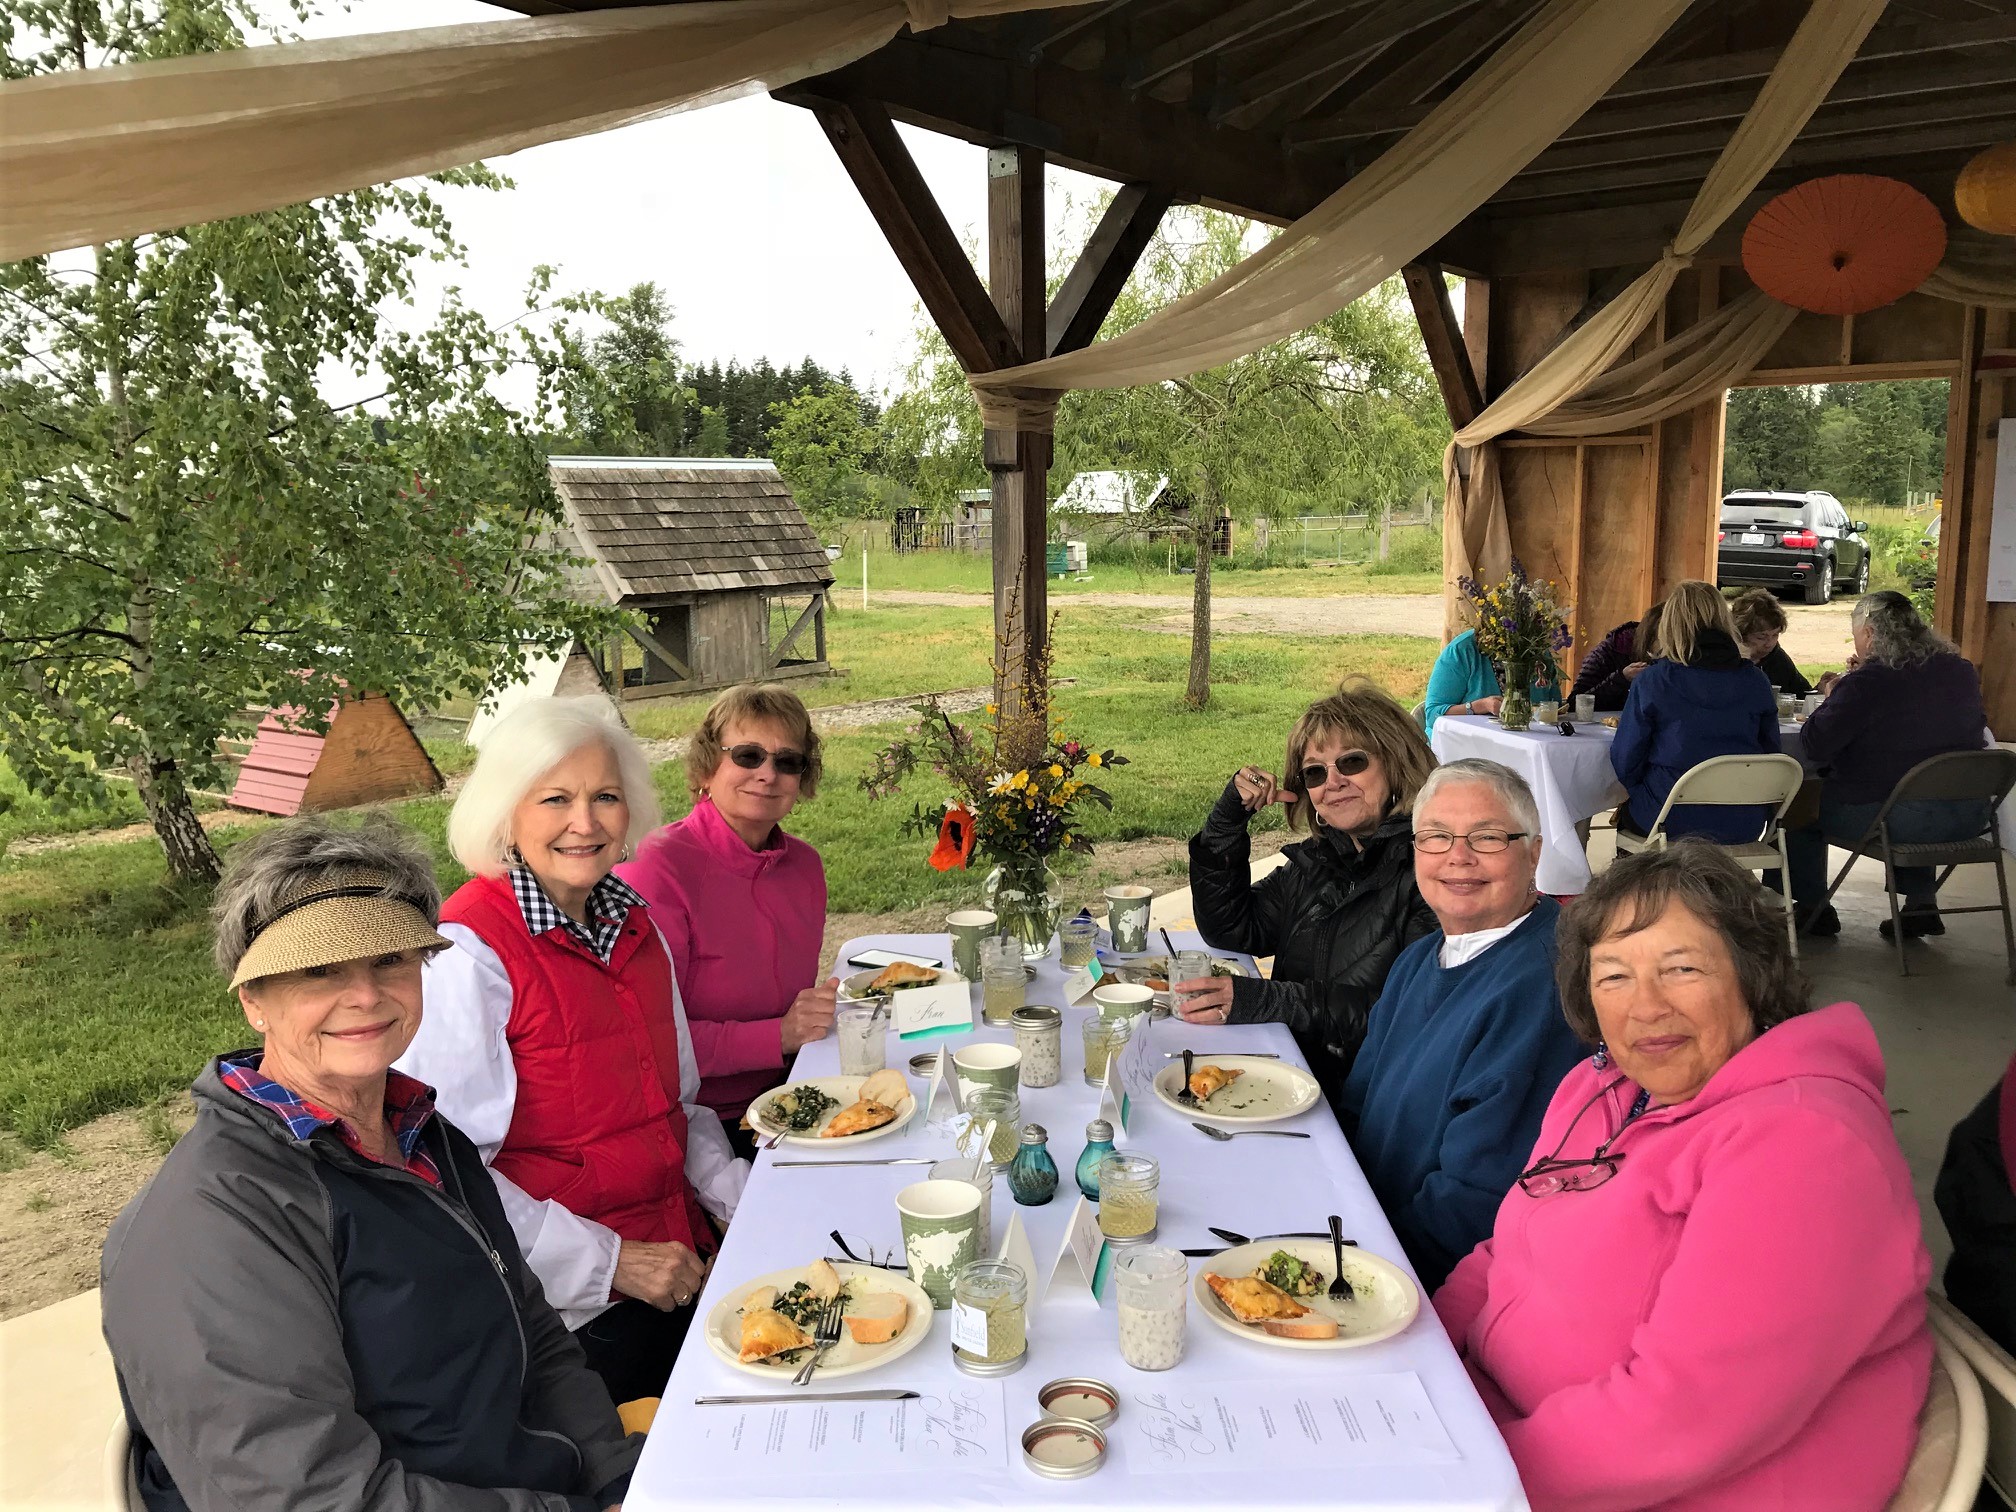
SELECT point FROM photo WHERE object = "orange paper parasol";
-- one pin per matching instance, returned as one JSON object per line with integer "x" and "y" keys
{"x": 1844, "y": 244}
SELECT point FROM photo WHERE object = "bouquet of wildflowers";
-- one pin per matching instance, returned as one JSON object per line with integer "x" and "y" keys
{"x": 1519, "y": 622}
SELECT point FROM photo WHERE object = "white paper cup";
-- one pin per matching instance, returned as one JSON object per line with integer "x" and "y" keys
{"x": 986, "y": 1065}
{"x": 1122, "y": 999}
{"x": 941, "y": 1233}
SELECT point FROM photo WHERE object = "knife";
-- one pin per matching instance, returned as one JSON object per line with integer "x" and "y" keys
{"x": 1231, "y": 1238}
{"x": 881, "y": 1394}
{"x": 897, "y": 1160}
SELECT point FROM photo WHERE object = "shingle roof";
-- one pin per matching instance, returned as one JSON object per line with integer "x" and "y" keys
{"x": 661, "y": 526}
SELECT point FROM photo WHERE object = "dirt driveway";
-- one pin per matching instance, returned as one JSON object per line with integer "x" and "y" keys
{"x": 1817, "y": 635}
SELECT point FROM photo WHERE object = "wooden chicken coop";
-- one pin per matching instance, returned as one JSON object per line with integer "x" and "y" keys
{"x": 368, "y": 755}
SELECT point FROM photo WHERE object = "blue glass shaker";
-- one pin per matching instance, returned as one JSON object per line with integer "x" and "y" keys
{"x": 1032, "y": 1176}
{"x": 1098, "y": 1145}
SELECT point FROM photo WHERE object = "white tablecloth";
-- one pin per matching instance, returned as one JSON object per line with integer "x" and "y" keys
{"x": 1253, "y": 1186}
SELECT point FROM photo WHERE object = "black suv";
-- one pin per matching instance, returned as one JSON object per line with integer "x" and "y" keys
{"x": 1787, "y": 540}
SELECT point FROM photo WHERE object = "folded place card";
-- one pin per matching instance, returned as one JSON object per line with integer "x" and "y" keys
{"x": 1082, "y": 1259}
{"x": 945, "y": 1007}
{"x": 1136, "y": 1063}
{"x": 1114, "y": 1103}
{"x": 1082, "y": 981}
{"x": 1017, "y": 1251}
{"x": 941, "y": 1103}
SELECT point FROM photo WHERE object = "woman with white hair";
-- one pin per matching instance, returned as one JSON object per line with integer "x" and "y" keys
{"x": 555, "y": 1037}
{"x": 1467, "y": 1041}
{"x": 1908, "y": 695}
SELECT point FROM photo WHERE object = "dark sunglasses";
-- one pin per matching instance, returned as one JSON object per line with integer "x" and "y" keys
{"x": 788, "y": 763}
{"x": 1350, "y": 764}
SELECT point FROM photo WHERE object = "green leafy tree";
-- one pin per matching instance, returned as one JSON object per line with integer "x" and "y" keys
{"x": 1771, "y": 438}
{"x": 637, "y": 362}
{"x": 821, "y": 444}
{"x": 190, "y": 528}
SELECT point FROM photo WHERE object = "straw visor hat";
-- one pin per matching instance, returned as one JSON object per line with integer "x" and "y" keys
{"x": 340, "y": 915}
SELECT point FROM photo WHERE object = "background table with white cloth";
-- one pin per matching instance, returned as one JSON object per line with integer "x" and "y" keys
{"x": 1253, "y": 1186}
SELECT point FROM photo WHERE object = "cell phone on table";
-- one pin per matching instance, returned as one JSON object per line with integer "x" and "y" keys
{"x": 890, "y": 958}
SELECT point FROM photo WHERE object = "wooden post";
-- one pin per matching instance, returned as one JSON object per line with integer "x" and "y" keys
{"x": 1018, "y": 462}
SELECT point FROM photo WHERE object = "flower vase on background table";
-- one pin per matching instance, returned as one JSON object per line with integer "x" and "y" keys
{"x": 1027, "y": 901}
{"x": 1522, "y": 629}
{"x": 1515, "y": 705}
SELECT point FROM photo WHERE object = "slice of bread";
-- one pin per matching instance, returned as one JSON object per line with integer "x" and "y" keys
{"x": 877, "y": 1318}
{"x": 887, "y": 1087}
{"x": 1311, "y": 1326}
{"x": 823, "y": 1279}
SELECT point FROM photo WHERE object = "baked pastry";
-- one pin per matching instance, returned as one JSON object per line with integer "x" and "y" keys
{"x": 1208, "y": 1079}
{"x": 823, "y": 1280}
{"x": 902, "y": 974}
{"x": 858, "y": 1118}
{"x": 767, "y": 1332}
{"x": 1251, "y": 1300}
{"x": 886, "y": 1087}
{"x": 877, "y": 1318}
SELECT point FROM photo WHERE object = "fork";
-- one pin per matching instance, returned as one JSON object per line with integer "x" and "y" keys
{"x": 1340, "y": 1289}
{"x": 1221, "y": 1134}
{"x": 824, "y": 1337}
{"x": 1185, "y": 1095}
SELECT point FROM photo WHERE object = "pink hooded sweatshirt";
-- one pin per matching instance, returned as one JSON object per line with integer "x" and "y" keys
{"x": 1734, "y": 1322}
{"x": 746, "y": 929}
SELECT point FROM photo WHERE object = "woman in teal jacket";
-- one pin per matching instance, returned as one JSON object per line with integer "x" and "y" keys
{"x": 1464, "y": 682}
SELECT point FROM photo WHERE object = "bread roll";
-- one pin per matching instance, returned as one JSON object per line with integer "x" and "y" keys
{"x": 760, "y": 1299}
{"x": 878, "y": 1318}
{"x": 823, "y": 1279}
{"x": 887, "y": 1087}
{"x": 1313, "y": 1326}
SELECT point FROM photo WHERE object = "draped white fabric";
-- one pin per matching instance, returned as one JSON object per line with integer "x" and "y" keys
{"x": 96, "y": 154}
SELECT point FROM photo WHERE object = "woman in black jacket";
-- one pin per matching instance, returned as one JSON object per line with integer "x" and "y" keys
{"x": 1344, "y": 905}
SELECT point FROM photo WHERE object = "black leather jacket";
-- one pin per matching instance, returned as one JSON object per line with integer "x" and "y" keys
{"x": 1333, "y": 918}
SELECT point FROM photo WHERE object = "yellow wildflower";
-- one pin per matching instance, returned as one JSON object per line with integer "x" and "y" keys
{"x": 1093, "y": 760}
{"x": 1020, "y": 780}
{"x": 1055, "y": 770}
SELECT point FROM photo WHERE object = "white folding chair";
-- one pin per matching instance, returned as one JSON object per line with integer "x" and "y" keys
{"x": 1996, "y": 1373}
{"x": 121, "y": 1483}
{"x": 1944, "y": 1474}
{"x": 1736, "y": 782}
{"x": 1420, "y": 713}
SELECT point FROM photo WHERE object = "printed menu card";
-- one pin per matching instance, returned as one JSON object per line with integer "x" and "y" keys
{"x": 951, "y": 1428}
{"x": 1303, "y": 1424}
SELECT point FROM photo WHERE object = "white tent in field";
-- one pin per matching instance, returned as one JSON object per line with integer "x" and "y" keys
{"x": 560, "y": 674}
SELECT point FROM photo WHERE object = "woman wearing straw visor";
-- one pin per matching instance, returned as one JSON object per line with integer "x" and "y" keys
{"x": 318, "y": 1300}
{"x": 555, "y": 1036}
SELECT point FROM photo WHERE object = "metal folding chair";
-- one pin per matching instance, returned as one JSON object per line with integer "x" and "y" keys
{"x": 1956, "y": 777}
{"x": 1735, "y": 782}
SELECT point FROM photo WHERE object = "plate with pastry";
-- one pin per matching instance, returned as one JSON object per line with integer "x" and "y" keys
{"x": 1239, "y": 1089}
{"x": 829, "y": 1110}
{"x": 885, "y": 981}
{"x": 765, "y": 1325}
{"x": 1277, "y": 1291}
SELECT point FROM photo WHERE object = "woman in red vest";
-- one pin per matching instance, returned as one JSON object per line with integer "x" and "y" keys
{"x": 554, "y": 1036}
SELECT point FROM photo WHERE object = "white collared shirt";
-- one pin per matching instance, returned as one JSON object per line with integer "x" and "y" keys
{"x": 1456, "y": 949}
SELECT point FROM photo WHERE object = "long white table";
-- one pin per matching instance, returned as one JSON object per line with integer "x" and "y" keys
{"x": 1253, "y": 1186}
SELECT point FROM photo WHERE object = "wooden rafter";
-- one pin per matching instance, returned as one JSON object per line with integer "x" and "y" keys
{"x": 1435, "y": 63}
{"x": 657, "y": 648}
{"x": 1332, "y": 58}
{"x": 1247, "y": 22}
{"x": 810, "y": 613}
{"x": 1087, "y": 294}
{"x": 1443, "y": 336}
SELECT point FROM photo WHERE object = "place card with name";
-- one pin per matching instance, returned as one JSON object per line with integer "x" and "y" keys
{"x": 1081, "y": 982}
{"x": 945, "y": 1007}
{"x": 1082, "y": 1259}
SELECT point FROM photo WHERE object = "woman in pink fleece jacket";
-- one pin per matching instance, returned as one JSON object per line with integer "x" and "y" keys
{"x": 1707, "y": 1291}
{"x": 742, "y": 904}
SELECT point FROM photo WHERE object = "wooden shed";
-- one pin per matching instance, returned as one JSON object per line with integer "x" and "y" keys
{"x": 369, "y": 755}
{"x": 713, "y": 553}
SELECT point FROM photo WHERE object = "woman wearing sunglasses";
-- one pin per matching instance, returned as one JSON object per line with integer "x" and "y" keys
{"x": 1707, "y": 1290}
{"x": 1343, "y": 906}
{"x": 743, "y": 904}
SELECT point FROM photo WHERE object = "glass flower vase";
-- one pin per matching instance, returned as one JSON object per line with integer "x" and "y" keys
{"x": 1515, "y": 707}
{"x": 1026, "y": 899}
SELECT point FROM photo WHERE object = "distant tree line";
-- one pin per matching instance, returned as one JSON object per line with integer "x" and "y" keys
{"x": 1876, "y": 442}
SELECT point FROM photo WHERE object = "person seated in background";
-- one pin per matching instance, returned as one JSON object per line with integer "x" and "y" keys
{"x": 1467, "y": 1042}
{"x": 1700, "y": 700}
{"x": 318, "y": 1300}
{"x": 1464, "y": 682}
{"x": 1343, "y": 906}
{"x": 1978, "y": 1202}
{"x": 1760, "y": 620}
{"x": 1908, "y": 695}
{"x": 1614, "y": 662}
{"x": 1706, "y": 1293}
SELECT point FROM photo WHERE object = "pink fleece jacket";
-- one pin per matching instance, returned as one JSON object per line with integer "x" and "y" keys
{"x": 1735, "y": 1322}
{"x": 746, "y": 928}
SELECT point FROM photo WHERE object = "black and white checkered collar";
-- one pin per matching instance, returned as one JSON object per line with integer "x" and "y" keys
{"x": 609, "y": 905}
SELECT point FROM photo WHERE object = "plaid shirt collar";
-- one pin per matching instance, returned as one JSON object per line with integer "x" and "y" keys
{"x": 409, "y": 1104}
{"x": 609, "y": 905}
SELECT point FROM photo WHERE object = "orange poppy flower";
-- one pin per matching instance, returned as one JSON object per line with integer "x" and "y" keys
{"x": 955, "y": 839}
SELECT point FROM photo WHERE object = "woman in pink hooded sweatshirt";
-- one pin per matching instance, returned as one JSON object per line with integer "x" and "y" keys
{"x": 742, "y": 904}
{"x": 1707, "y": 1291}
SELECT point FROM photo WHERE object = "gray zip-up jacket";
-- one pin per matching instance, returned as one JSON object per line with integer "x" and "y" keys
{"x": 296, "y": 1326}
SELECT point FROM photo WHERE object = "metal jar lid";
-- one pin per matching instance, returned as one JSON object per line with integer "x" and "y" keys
{"x": 1035, "y": 1134}
{"x": 1037, "y": 1016}
{"x": 925, "y": 1064}
{"x": 1086, "y": 1447}
{"x": 1054, "y": 1392}
{"x": 1099, "y": 1131}
{"x": 977, "y": 1367}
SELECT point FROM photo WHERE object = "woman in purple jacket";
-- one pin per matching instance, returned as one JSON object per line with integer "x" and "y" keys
{"x": 1615, "y": 661}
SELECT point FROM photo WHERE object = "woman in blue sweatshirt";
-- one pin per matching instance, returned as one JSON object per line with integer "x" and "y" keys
{"x": 1701, "y": 699}
{"x": 1467, "y": 1041}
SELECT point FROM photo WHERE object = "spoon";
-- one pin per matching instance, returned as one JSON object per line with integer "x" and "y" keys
{"x": 1340, "y": 1289}
{"x": 1221, "y": 1134}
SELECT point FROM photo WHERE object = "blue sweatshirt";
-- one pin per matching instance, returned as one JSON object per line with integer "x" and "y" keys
{"x": 1445, "y": 1099}
{"x": 1678, "y": 717}
{"x": 1462, "y": 675}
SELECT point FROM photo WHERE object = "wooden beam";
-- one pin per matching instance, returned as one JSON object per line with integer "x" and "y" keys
{"x": 1435, "y": 312}
{"x": 1235, "y": 24}
{"x": 1331, "y": 57}
{"x": 652, "y": 644}
{"x": 1018, "y": 461}
{"x": 1865, "y": 372}
{"x": 1437, "y": 62}
{"x": 902, "y": 204}
{"x": 1065, "y": 31}
{"x": 1087, "y": 294}
{"x": 811, "y": 612}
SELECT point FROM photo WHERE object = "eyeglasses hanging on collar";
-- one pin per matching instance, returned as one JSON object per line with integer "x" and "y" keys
{"x": 1551, "y": 1174}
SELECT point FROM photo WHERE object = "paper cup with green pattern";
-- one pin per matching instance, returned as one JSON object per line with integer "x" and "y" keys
{"x": 941, "y": 1232}
{"x": 1127, "y": 917}
{"x": 968, "y": 927}
{"x": 986, "y": 1064}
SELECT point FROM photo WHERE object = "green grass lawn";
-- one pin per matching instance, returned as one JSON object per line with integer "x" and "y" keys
{"x": 108, "y": 999}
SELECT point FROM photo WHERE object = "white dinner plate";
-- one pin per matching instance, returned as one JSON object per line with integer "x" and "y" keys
{"x": 1384, "y": 1299}
{"x": 1269, "y": 1091}
{"x": 724, "y": 1324}
{"x": 845, "y": 1091}
{"x": 854, "y": 989}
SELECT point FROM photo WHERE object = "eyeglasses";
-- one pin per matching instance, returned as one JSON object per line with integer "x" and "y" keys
{"x": 1485, "y": 842}
{"x": 1551, "y": 1174}
{"x": 1350, "y": 764}
{"x": 788, "y": 763}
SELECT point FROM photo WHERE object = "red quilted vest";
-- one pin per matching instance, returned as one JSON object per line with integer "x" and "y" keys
{"x": 598, "y": 1126}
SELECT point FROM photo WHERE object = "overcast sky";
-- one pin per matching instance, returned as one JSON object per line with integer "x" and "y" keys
{"x": 740, "y": 212}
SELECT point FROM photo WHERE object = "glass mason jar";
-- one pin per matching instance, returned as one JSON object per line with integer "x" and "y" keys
{"x": 1515, "y": 705}
{"x": 1127, "y": 1197}
{"x": 1153, "y": 1285}
{"x": 990, "y": 1318}
{"x": 1032, "y": 1179}
{"x": 1077, "y": 941}
{"x": 1003, "y": 980}
{"x": 1027, "y": 899}
{"x": 1104, "y": 1039}
{"x": 1039, "y": 1035}
{"x": 1002, "y": 1108}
